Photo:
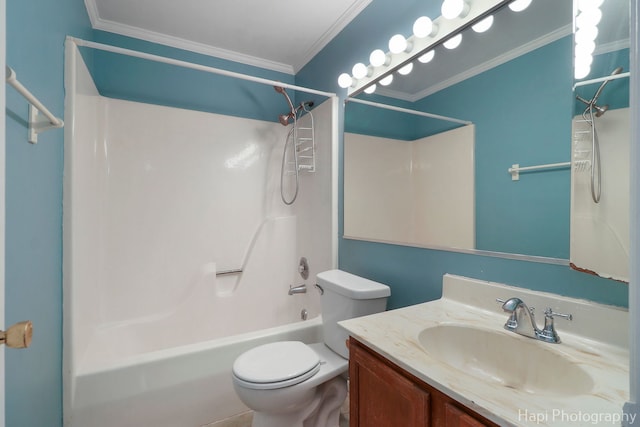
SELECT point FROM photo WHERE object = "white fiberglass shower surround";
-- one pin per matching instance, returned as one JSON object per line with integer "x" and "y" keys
{"x": 159, "y": 203}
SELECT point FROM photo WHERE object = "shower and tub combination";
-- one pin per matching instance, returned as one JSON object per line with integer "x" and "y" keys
{"x": 179, "y": 253}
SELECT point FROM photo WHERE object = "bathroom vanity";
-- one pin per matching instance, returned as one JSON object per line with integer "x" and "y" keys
{"x": 385, "y": 395}
{"x": 451, "y": 362}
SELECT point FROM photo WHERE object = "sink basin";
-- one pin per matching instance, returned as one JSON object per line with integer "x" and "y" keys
{"x": 511, "y": 360}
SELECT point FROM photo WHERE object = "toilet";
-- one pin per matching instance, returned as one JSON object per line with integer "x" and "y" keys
{"x": 292, "y": 384}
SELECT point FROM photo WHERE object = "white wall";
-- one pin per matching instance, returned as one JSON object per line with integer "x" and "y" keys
{"x": 157, "y": 200}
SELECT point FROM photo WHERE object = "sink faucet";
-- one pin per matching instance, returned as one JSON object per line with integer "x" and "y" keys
{"x": 522, "y": 321}
{"x": 300, "y": 289}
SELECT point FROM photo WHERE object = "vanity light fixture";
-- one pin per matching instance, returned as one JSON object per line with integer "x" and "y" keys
{"x": 427, "y": 57}
{"x": 424, "y": 27}
{"x": 379, "y": 58}
{"x": 519, "y": 5}
{"x": 453, "y": 42}
{"x": 360, "y": 71}
{"x": 587, "y": 21}
{"x": 398, "y": 44}
{"x": 452, "y": 9}
{"x": 345, "y": 80}
{"x": 386, "y": 81}
{"x": 370, "y": 89}
{"x": 406, "y": 69}
{"x": 483, "y": 25}
{"x": 457, "y": 15}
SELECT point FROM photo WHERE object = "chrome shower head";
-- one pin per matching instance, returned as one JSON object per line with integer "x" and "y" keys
{"x": 284, "y": 118}
{"x": 604, "y": 83}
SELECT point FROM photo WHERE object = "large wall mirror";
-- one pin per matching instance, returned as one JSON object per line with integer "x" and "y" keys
{"x": 514, "y": 84}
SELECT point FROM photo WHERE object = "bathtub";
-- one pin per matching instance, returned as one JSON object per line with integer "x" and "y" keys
{"x": 178, "y": 387}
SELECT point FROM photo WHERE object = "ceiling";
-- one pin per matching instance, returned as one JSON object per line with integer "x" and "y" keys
{"x": 279, "y": 35}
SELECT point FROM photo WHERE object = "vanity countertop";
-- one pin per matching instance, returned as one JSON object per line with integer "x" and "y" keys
{"x": 595, "y": 340}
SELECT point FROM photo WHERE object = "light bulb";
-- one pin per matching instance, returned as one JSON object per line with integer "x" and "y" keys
{"x": 406, "y": 69}
{"x": 586, "y": 34}
{"x": 427, "y": 57}
{"x": 397, "y": 43}
{"x": 580, "y": 72}
{"x": 583, "y": 60}
{"x": 345, "y": 80}
{"x": 424, "y": 27}
{"x": 585, "y": 48}
{"x": 453, "y": 42}
{"x": 359, "y": 71}
{"x": 483, "y": 25}
{"x": 378, "y": 57}
{"x": 370, "y": 89}
{"x": 386, "y": 81}
{"x": 589, "y": 18}
{"x": 452, "y": 9}
{"x": 589, "y": 4}
{"x": 519, "y": 5}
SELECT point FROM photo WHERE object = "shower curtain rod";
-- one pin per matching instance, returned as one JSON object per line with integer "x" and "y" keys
{"x": 406, "y": 110}
{"x": 185, "y": 64}
{"x": 602, "y": 79}
{"x": 36, "y": 125}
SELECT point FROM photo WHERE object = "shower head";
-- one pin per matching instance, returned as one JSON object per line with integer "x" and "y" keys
{"x": 604, "y": 83}
{"x": 284, "y": 119}
{"x": 281, "y": 90}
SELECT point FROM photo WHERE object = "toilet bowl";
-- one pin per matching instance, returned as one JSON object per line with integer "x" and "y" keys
{"x": 292, "y": 384}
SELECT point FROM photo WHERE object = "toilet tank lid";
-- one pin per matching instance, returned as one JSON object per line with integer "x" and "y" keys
{"x": 352, "y": 286}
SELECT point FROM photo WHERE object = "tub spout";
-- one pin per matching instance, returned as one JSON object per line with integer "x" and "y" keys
{"x": 300, "y": 289}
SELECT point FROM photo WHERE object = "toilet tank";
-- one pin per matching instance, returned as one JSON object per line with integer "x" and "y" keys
{"x": 347, "y": 296}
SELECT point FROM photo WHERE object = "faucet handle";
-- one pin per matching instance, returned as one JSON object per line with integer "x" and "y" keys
{"x": 550, "y": 313}
{"x": 549, "y": 333}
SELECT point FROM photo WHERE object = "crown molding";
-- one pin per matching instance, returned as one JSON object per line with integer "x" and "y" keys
{"x": 180, "y": 43}
{"x": 485, "y": 66}
{"x": 353, "y": 11}
{"x": 612, "y": 46}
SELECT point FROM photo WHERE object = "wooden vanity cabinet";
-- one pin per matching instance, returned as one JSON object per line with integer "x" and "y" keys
{"x": 384, "y": 395}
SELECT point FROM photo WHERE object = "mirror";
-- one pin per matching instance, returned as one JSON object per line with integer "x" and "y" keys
{"x": 601, "y": 141}
{"x": 514, "y": 83}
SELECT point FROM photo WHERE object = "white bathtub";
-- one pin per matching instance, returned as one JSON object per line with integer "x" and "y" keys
{"x": 178, "y": 387}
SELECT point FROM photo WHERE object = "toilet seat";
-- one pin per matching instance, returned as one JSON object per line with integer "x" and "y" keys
{"x": 276, "y": 365}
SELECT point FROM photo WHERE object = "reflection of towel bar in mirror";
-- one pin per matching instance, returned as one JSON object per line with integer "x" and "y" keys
{"x": 515, "y": 169}
{"x": 228, "y": 272}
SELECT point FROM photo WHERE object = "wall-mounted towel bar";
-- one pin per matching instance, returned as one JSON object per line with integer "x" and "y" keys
{"x": 37, "y": 124}
{"x": 515, "y": 170}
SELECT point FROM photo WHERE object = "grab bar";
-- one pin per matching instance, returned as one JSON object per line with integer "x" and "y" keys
{"x": 515, "y": 169}
{"x": 227, "y": 272}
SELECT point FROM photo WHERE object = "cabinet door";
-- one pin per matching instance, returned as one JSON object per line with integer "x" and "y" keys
{"x": 382, "y": 397}
{"x": 455, "y": 417}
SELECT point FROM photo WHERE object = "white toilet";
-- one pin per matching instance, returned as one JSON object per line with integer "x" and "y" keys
{"x": 292, "y": 384}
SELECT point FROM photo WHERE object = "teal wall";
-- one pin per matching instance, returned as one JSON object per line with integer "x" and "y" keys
{"x": 36, "y": 31}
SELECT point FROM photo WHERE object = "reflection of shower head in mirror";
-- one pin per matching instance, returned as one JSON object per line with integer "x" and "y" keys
{"x": 591, "y": 104}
